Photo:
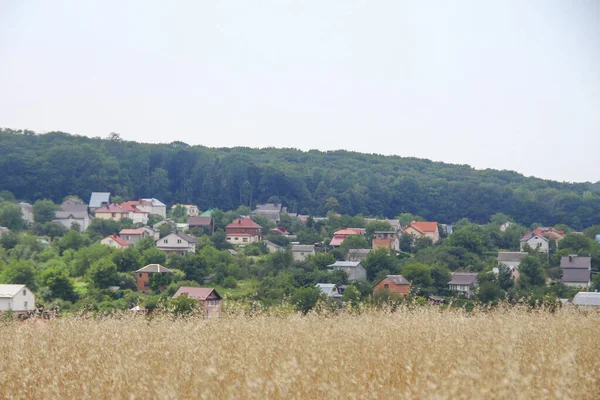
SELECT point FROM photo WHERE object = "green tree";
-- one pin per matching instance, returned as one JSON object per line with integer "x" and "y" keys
{"x": 44, "y": 211}
{"x": 381, "y": 262}
{"x": 128, "y": 259}
{"x": 103, "y": 273}
{"x": 19, "y": 273}
{"x": 322, "y": 260}
{"x": 407, "y": 218}
{"x": 354, "y": 242}
{"x": 576, "y": 243}
{"x": 305, "y": 299}
{"x": 351, "y": 296}
{"x": 531, "y": 272}
{"x": 153, "y": 256}
{"x": 505, "y": 278}
{"x": 182, "y": 305}
{"x": 11, "y": 217}
{"x": 489, "y": 292}
{"x": 56, "y": 278}
{"x": 468, "y": 239}
{"x": 418, "y": 274}
{"x": 72, "y": 240}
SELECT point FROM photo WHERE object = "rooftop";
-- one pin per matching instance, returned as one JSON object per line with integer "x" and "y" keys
{"x": 199, "y": 293}
{"x": 511, "y": 255}
{"x": 576, "y": 262}
{"x": 463, "y": 278}
{"x": 10, "y": 290}
{"x": 154, "y": 268}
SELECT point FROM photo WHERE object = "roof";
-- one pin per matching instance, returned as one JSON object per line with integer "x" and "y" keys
{"x": 357, "y": 254}
{"x": 243, "y": 223}
{"x": 347, "y": 232}
{"x": 511, "y": 255}
{"x": 111, "y": 208}
{"x": 576, "y": 275}
{"x": 273, "y": 207}
{"x": 117, "y": 239}
{"x": 423, "y": 226}
{"x": 463, "y": 278}
{"x": 155, "y": 202}
{"x": 587, "y": 299}
{"x": 345, "y": 264}
{"x": 199, "y": 293}
{"x": 575, "y": 262}
{"x": 73, "y": 205}
{"x": 97, "y": 198}
{"x": 131, "y": 207}
{"x": 396, "y": 279}
{"x": 281, "y": 231}
{"x": 188, "y": 238}
{"x": 337, "y": 241}
{"x": 73, "y": 214}
{"x": 303, "y": 248}
{"x": 10, "y": 290}
{"x": 26, "y": 206}
{"x": 199, "y": 221}
{"x": 330, "y": 289}
{"x": 532, "y": 234}
{"x": 208, "y": 213}
{"x": 136, "y": 231}
{"x": 269, "y": 243}
{"x": 154, "y": 268}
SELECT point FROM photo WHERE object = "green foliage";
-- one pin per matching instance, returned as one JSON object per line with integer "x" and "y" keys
{"x": 103, "y": 273}
{"x": 229, "y": 283}
{"x": 381, "y": 262}
{"x": 56, "y": 279}
{"x": 72, "y": 240}
{"x": 322, "y": 260}
{"x": 531, "y": 272}
{"x": 9, "y": 240}
{"x": 352, "y": 296}
{"x": 128, "y": 259}
{"x": 153, "y": 256}
{"x": 489, "y": 292}
{"x": 44, "y": 211}
{"x": 182, "y": 305}
{"x": 305, "y": 299}
{"x": 354, "y": 242}
{"x": 19, "y": 272}
{"x": 418, "y": 274}
{"x": 11, "y": 216}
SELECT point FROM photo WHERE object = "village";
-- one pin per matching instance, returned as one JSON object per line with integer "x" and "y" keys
{"x": 269, "y": 229}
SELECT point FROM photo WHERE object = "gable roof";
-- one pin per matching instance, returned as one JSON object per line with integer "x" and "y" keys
{"x": 73, "y": 214}
{"x": 97, "y": 198}
{"x": 130, "y": 206}
{"x": 199, "y": 293}
{"x": 9, "y": 291}
{"x": 117, "y": 239}
{"x": 395, "y": 279}
{"x": 330, "y": 289}
{"x": 348, "y": 232}
{"x": 155, "y": 268}
{"x": 111, "y": 208}
{"x": 199, "y": 221}
{"x": 272, "y": 207}
{"x": 136, "y": 231}
{"x": 423, "y": 226}
{"x": 587, "y": 299}
{"x": 208, "y": 213}
{"x": 281, "y": 231}
{"x": 575, "y": 262}
{"x": 357, "y": 254}
{"x": 345, "y": 264}
{"x": 303, "y": 248}
{"x": 532, "y": 234}
{"x": 509, "y": 256}
{"x": 155, "y": 202}
{"x": 243, "y": 222}
{"x": 25, "y": 206}
{"x": 576, "y": 275}
{"x": 463, "y": 278}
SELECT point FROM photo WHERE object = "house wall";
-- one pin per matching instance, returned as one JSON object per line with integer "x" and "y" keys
{"x": 161, "y": 211}
{"x": 537, "y": 242}
{"x": 302, "y": 255}
{"x": 133, "y": 239}
{"x": 466, "y": 289}
{"x": 138, "y": 218}
{"x": 82, "y": 222}
{"x": 143, "y": 281}
{"x": 402, "y": 290}
{"x": 19, "y": 302}
{"x": 112, "y": 216}
{"x": 242, "y": 239}
{"x": 212, "y": 306}
{"x": 231, "y": 231}
{"x": 577, "y": 284}
{"x": 386, "y": 241}
{"x": 435, "y": 236}
{"x": 358, "y": 273}
{"x": 174, "y": 243}
{"x": 110, "y": 242}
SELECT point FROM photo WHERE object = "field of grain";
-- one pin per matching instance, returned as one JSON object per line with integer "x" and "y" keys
{"x": 408, "y": 354}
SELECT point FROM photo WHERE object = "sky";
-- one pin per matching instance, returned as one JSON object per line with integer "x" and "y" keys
{"x": 494, "y": 84}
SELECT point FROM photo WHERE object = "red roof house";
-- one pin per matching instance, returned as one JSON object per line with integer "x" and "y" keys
{"x": 243, "y": 230}
{"x": 342, "y": 234}
{"x": 209, "y": 297}
{"x": 423, "y": 229}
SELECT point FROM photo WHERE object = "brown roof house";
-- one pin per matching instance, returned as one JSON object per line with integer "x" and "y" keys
{"x": 576, "y": 270}
{"x": 395, "y": 284}
{"x": 386, "y": 240}
{"x": 143, "y": 276}
{"x": 208, "y": 297}
{"x": 205, "y": 223}
{"x": 243, "y": 231}
{"x": 114, "y": 241}
{"x": 463, "y": 282}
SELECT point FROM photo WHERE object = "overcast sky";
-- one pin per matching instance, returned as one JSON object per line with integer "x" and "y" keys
{"x": 505, "y": 84}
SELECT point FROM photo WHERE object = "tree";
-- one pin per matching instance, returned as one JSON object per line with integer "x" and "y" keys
{"x": 354, "y": 242}
{"x": 380, "y": 262}
{"x": 322, "y": 260}
{"x": 9, "y": 240}
{"x": 182, "y": 305}
{"x": 441, "y": 275}
{"x": 56, "y": 279}
{"x": 468, "y": 239}
{"x": 11, "y": 217}
{"x": 531, "y": 272}
{"x": 44, "y": 211}
{"x": 407, "y": 218}
{"x": 351, "y": 296}
{"x": 72, "y": 240}
{"x": 489, "y": 292}
{"x": 179, "y": 213}
{"x": 306, "y": 298}
{"x": 128, "y": 259}
{"x": 153, "y": 256}
{"x": 19, "y": 272}
{"x": 576, "y": 243}
{"x": 103, "y": 273}
{"x": 505, "y": 278}
{"x": 418, "y": 274}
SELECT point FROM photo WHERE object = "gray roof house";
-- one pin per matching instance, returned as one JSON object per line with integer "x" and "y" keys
{"x": 354, "y": 269}
{"x": 357, "y": 254}
{"x": 99, "y": 199}
{"x": 576, "y": 270}
{"x": 27, "y": 210}
{"x": 587, "y": 299}
{"x": 271, "y": 211}
{"x": 67, "y": 218}
{"x": 463, "y": 282}
{"x": 301, "y": 252}
{"x": 273, "y": 247}
{"x": 331, "y": 290}
{"x": 178, "y": 243}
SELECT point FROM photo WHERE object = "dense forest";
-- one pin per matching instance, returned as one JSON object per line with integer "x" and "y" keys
{"x": 56, "y": 164}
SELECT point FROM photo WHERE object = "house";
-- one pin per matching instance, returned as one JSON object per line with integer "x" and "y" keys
{"x": 463, "y": 282}
{"x": 208, "y": 297}
{"x": 144, "y": 274}
{"x": 341, "y": 235}
{"x": 273, "y": 247}
{"x": 137, "y": 215}
{"x": 132, "y": 236}
{"x": 152, "y": 232}
{"x": 354, "y": 269}
{"x": 330, "y": 290}
{"x": 576, "y": 270}
{"x": 17, "y": 298}
{"x": 27, "y": 211}
{"x": 423, "y": 229}
{"x": 357, "y": 254}
{"x": 190, "y": 209}
{"x": 112, "y": 212}
{"x": 587, "y": 299}
{"x": 114, "y": 241}
{"x": 243, "y": 230}
{"x": 204, "y": 222}
{"x": 99, "y": 199}
{"x": 536, "y": 242}
{"x": 68, "y": 218}
{"x": 271, "y": 211}
{"x": 301, "y": 252}
{"x": 386, "y": 240}
{"x": 511, "y": 260}
{"x": 550, "y": 233}
{"x": 281, "y": 231}
{"x": 208, "y": 213}
{"x": 395, "y": 284}
{"x": 178, "y": 243}
{"x": 153, "y": 207}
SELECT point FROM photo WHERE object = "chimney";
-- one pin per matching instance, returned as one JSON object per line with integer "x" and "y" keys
{"x": 570, "y": 258}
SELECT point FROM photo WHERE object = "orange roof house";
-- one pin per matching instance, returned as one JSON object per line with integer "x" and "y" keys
{"x": 423, "y": 229}
{"x": 342, "y": 234}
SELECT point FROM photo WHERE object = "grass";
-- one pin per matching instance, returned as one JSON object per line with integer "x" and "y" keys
{"x": 409, "y": 354}
{"x": 244, "y": 289}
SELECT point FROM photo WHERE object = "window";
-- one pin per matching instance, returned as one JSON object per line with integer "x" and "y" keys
{"x": 127, "y": 237}
{"x": 386, "y": 286}
{"x": 24, "y": 292}
{"x": 146, "y": 284}
{"x": 166, "y": 241}
{"x": 114, "y": 214}
{"x": 140, "y": 275}
{"x": 237, "y": 238}
{"x": 228, "y": 237}
{"x": 25, "y": 305}
{"x": 178, "y": 241}
{"x": 245, "y": 240}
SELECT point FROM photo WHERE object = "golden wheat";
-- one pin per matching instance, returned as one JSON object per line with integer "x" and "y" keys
{"x": 408, "y": 354}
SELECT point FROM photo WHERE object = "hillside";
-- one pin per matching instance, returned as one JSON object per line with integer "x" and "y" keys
{"x": 56, "y": 164}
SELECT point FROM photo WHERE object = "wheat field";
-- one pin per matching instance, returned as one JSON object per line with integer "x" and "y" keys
{"x": 408, "y": 354}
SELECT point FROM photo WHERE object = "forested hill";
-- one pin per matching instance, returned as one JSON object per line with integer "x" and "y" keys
{"x": 54, "y": 165}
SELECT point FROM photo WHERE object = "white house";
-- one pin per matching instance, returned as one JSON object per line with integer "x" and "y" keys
{"x": 179, "y": 243}
{"x": 535, "y": 241}
{"x": 68, "y": 218}
{"x": 16, "y": 298}
{"x": 354, "y": 269}
{"x": 114, "y": 241}
{"x": 153, "y": 206}
{"x": 300, "y": 252}
{"x": 463, "y": 282}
